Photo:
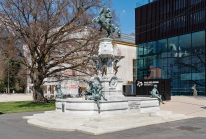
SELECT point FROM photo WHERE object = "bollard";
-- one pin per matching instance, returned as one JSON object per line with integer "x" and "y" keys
{"x": 62, "y": 107}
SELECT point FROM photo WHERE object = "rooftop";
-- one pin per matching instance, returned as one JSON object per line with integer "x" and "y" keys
{"x": 127, "y": 38}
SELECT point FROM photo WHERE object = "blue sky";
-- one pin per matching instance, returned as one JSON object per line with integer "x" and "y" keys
{"x": 126, "y": 9}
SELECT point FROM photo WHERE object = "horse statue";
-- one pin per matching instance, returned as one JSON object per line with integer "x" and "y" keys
{"x": 105, "y": 22}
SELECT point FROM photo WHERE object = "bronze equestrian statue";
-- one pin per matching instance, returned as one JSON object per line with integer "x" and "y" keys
{"x": 105, "y": 22}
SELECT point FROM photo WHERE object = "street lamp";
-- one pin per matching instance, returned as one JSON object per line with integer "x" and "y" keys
{"x": 8, "y": 76}
{"x": 8, "y": 82}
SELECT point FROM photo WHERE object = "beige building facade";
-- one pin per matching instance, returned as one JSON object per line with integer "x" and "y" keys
{"x": 125, "y": 46}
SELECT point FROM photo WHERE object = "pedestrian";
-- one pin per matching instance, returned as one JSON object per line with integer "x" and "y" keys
{"x": 79, "y": 91}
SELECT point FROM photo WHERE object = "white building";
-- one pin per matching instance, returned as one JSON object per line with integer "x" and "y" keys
{"x": 125, "y": 46}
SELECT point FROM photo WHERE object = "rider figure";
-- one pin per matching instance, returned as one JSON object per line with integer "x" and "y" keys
{"x": 108, "y": 18}
{"x": 105, "y": 15}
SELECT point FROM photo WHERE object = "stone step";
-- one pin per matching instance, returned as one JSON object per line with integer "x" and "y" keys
{"x": 99, "y": 124}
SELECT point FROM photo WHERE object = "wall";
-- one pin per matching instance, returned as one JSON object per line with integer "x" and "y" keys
{"x": 126, "y": 69}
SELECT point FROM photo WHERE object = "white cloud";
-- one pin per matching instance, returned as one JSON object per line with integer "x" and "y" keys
{"x": 124, "y": 11}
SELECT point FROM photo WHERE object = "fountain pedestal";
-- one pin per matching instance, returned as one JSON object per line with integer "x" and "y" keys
{"x": 116, "y": 102}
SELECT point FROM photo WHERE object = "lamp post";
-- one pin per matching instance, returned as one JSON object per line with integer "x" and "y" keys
{"x": 8, "y": 76}
{"x": 8, "y": 82}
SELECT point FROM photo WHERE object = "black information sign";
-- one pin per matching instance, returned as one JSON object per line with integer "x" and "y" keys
{"x": 143, "y": 87}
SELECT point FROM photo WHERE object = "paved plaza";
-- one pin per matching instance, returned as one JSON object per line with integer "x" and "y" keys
{"x": 188, "y": 105}
{"x": 15, "y": 97}
{"x": 14, "y": 127}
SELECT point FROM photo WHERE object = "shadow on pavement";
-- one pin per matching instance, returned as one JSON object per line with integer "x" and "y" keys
{"x": 200, "y": 97}
{"x": 1, "y": 113}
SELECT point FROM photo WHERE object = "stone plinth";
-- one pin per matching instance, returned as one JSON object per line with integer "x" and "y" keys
{"x": 106, "y": 46}
{"x": 112, "y": 88}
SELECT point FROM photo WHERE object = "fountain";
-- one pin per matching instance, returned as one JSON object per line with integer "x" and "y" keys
{"x": 111, "y": 85}
{"x": 96, "y": 116}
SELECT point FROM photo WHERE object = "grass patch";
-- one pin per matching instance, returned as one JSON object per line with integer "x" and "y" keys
{"x": 25, "y": 106}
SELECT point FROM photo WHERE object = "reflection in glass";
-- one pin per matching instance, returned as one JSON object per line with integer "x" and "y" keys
{"x": 151, "y": 48}
{"x": 161, "y": 46}
{"x": 198, "y": 61}
{"x": 172, "y": 49}
{"x": 185, "y": 45}
{"x": 180, "y": 58}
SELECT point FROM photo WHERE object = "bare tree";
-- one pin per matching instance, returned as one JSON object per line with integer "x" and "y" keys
{"x": 192, "y": 62}
{"x": 52, "y": 32}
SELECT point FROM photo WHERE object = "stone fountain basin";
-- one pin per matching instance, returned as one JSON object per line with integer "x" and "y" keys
{"x": 80, "y": 106}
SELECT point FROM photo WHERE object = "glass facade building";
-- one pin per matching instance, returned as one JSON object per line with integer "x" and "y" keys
{"x": 170, "y": 38}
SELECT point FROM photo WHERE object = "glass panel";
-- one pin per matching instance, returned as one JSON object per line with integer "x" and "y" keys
{"x": 172, "y": 49}
{"x": 198, "y": 56}
{"x": 175, "y": 89}
{"x": 185, "y": 45}
{"x": 164, "y": 72}
{"x": 186, "y": 88}
{"x": 172, "y": 62}
{"x": 198, "y": 39}
{"x": 159, "y": 64}
{"x": 151, "y": 48}
{"x": 161, "y": 46}
{"x": 200, "y": 87}
{"x": 161, "y": 58}
{"x": 198, "y": 61}
{"x": 198, "y": 47}
{"x": 198, "y": 71}
{"x": 146, "y": 74}
{"x": 140, "y": 75}
{"x": 152, "y": 67}
{"x": 185, "y": 73}
{"x": 140, "y": 63}
{"x": 163, "y": 62}
{"x": 140, "y": 49}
